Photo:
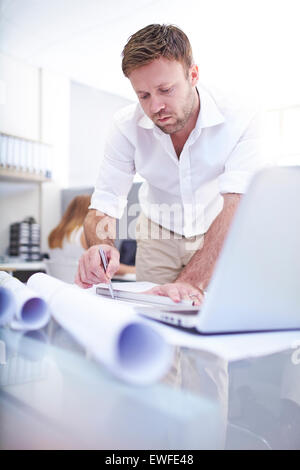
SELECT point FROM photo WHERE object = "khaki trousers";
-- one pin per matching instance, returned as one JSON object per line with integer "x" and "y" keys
{"x": 162, "y": 254}
{"x": 160, "y": 257}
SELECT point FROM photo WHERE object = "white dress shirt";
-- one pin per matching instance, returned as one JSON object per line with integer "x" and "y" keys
{"x": 183, "y": 195}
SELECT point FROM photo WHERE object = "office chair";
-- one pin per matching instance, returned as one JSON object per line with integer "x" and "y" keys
{"x": 63, "y": 270}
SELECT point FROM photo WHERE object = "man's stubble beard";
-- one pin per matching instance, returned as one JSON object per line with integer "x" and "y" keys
{"x": 180, "y": 123}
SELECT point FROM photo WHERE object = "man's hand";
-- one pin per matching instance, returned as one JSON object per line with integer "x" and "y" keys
{"x": 90, "y": 269}
{"x": 178, "y": 291}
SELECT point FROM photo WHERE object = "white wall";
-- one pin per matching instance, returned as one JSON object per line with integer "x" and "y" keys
{"x": 91, "y": 115}
{"x": 19, "y": 110}
{"x": 37, "y": 107}
{"x": 55, "y": 121}
{"x": 50, "y": 211}
{"x": 54, "y": 129}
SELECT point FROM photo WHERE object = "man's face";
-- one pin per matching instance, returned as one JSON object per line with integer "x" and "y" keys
{"x": 166, "y": 94}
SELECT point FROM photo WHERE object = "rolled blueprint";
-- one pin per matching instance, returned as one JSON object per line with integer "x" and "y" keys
{"x": 7, "y": 306}
{"x": 31, "y": 311}
{"x": 109, "y": 330}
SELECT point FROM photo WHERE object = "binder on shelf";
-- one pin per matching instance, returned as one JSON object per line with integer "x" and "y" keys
{"x": 3, "y": 150}
{"x": 36, "y": 151}
{"x": 23, "y": 155}
{"x": 39, "y": 159}
{"x": 10, "y": 152}
{"x": 17, "y": 153}
{"x": 30, "y": 157}
{"x": 48, "y": 162}
{"x": 44, "y": 160}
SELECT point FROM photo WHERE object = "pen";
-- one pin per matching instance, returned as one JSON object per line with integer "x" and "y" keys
{"x": 104, "y": 262}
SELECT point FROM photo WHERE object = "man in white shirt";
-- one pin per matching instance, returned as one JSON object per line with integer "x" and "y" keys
{"x": 197, "y": 153}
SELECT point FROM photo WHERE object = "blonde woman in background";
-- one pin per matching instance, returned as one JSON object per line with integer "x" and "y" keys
{"x": 67, "y": 241}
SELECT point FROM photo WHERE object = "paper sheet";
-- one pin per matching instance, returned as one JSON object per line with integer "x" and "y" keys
{"x": 110, "y": 330}
{"x": 21, "y": 308}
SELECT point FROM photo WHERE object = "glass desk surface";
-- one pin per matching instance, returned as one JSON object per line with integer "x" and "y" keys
{"x": 54, "y": 396}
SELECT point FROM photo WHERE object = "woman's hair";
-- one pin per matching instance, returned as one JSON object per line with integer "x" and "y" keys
{"x": 155, "y": 41}
{"x": 73, "y": 218}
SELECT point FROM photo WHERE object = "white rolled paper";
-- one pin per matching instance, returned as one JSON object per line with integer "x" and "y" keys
{"x": 110, "y": 330}
{"x": 31, "y": 311}
{"x": 7, "y": 306}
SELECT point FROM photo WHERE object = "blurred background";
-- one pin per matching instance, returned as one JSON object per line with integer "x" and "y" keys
{"x": 61, "y": 82}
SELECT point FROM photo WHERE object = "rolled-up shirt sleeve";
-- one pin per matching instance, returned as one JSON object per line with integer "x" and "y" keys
{"x": 115, "y": 177}
{"x": 244, "y": 160}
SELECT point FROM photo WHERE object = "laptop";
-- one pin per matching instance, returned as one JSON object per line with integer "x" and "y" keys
{"x": 256, "y": 283}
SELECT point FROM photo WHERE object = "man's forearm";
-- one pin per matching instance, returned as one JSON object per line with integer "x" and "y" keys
{"x": 199, "y": 270}
{"x": 99, "y": 228}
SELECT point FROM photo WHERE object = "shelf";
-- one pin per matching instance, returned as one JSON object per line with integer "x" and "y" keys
{"x": 8, "y": 174}
{"x": 34, "y": 141}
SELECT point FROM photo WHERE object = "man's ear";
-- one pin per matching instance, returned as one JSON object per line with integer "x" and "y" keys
{"x": 194, "y": 74}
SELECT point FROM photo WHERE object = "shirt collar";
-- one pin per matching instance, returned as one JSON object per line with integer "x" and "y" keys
{"x": 209, "y": 115}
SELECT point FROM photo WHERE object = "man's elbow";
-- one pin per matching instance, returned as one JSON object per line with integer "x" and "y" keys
{"x": 232, "y": 199}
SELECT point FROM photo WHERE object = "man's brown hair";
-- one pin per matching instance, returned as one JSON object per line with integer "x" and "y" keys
{"x": 155, "y": 41}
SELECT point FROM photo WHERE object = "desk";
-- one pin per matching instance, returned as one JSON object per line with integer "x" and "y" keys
{"x": 54, "y": 396}
{"x": 22, "y": 269}
{"x": 18, "y": 268}
{"x": 12, "y": 266}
